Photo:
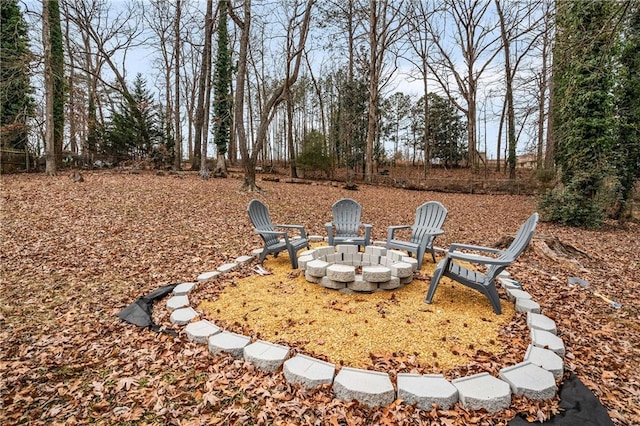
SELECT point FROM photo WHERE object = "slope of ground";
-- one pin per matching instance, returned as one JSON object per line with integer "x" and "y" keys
{"x": 74, "y": 254}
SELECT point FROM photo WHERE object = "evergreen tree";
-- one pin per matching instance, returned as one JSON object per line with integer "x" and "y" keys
{"x": 134, "y": 134}
{"x": 222, "y": 92}
{"x": 447, "y": 130}
{"x": 314, "y": 155}
{"x": 16, "y": 101}
{"x": 583, "y": 111}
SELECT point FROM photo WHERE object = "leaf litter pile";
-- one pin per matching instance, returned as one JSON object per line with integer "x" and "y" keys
{"x": 74, "y": 254}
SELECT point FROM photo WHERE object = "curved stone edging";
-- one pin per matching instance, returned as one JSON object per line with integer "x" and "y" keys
{"x": 535, "y": 377}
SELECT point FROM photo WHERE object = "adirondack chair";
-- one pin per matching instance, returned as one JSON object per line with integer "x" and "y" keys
{"x": 428, "y": 224}
{"x": 484, "y": 283}
{"x": 276, "y": 241}
{"x": 345, "y": 227}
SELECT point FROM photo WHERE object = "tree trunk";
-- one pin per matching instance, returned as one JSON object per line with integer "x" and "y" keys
{"x": 51, "y": 166}
{"x": 177, "y": 145}
{"x": 249, "y": 181}
{"x": 202, "y": 88}
{"x": 292, "y": 152}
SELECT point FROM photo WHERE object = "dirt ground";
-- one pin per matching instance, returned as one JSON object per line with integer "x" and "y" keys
{"x": 74, "y": 254}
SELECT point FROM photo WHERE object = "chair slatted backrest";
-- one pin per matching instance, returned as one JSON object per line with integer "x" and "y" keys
{"x": 259, "y": 215}
{"x": 429, "y": 215}
{"x": 518, "y": 245}
{"x": 346, "y": 217}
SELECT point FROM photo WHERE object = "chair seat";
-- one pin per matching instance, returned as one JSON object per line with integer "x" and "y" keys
{"x": 402, "y": 245}
{"x": 350, "y": 240}
{"x": 466, "y": 274}
{"x": 298, "y": 243}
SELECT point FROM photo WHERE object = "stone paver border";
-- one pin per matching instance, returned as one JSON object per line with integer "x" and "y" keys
{"x": 544, "y": 355}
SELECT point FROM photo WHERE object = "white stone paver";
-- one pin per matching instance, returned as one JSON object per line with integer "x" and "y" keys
{"x": 361, "y": 285}
{"x": 375, "y": 250}
{"x": 244, "y": 259}
{"x": 308, "y": 372}
{"x": 426, "y": 391}
{"x": 228, "y": 342}
{"x": 376, "y": 274}
{"x": 546, "y": 359}
{"x": 303, "y": 260}
{"x": 529, "y": 380}
{"x": 316, "y": 268}
{"x": 200, "y": 331}
{"x": 392, "y": 284}
{"x": 527, "y": 305}
{"x": 411, "y": 261}
{"x": 483, "y": 391}
{"x": 514, "y": 293}
{"x": 227, "y": 267}
{"x": 206, "y": 276}
{"x": 546, "y": 340}
{"x": 346, "y": 248}
{"x": 370, "y": 388}
{"x": 402, "y": 270}
{"x": 341, "y": 273}
{"x": 327, "y": 282}
{"x": 177, "y": 302}
{"x": 266, "y": 356}
{"x": 541, "y": 322}
{"x": 183, "y": 288}
{"x": 183, "y": 315}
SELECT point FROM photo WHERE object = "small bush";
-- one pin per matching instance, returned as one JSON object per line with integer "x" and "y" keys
{"x": 581, "y": 203}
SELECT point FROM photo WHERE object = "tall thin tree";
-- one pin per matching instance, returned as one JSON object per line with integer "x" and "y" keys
{"x": 222, "y": 92}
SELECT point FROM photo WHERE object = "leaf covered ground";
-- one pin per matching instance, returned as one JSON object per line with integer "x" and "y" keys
{"x": 74, "y": 254}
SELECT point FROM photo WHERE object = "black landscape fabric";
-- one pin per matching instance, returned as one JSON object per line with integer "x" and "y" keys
{"x": 580, "y": 405}
{"x": 140, "y": 312}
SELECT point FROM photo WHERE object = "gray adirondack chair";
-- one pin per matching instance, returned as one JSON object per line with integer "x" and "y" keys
{"x": 428, "y": 224}
{"x": 484, "y": 283}
{"x": 345, "y": 226}
{"x": 276, "y": 241}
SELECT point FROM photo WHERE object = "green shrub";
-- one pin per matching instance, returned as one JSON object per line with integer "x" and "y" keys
{"x": 581, "y": 203}
{"x": 314, "y": 155}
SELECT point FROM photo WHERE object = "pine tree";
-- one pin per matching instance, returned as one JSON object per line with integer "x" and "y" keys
{"x": 134, "y": 133}
{"x": 16, "y": 101}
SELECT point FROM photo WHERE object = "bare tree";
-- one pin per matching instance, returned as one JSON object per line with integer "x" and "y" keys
{"x": 112, "y": 36}
{"x": 385, "y": 24}
{"x": 177, "y": 122}
{"x": 51, "y": 167}
{"x": 474, "y": 34}
{"x": 300, "y": 22}
{"x": 512, "y": 16}
{"x": 200, "y": 137}
{"x": 161, "y": 21}
{"x": 244, "y": 24}
{"x": 419, "y": 14}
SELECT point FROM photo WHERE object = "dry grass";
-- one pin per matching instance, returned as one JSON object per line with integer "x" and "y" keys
{"x": 347, "y": 329}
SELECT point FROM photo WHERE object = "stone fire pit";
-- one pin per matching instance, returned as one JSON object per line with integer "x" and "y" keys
{"x": 344, "y": 267}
